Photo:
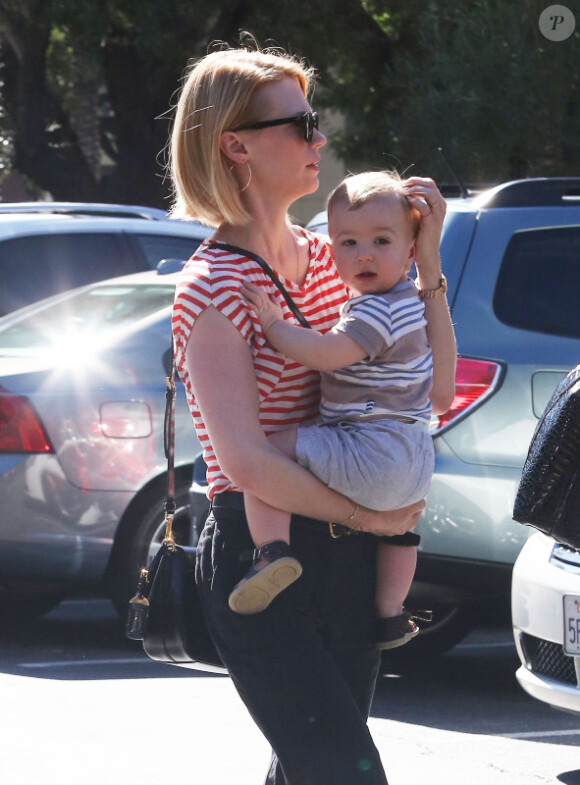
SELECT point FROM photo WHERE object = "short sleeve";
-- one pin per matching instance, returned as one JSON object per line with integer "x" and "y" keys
{"x": 213, "y": 282}
{"x": 367, "y": 320}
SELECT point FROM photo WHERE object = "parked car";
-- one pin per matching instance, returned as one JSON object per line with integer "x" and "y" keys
{"x": 49, "y": 247}
{"x": 546, "y": 621}
{"x": 82, "y": 464}
{"x": 510, "y": 255}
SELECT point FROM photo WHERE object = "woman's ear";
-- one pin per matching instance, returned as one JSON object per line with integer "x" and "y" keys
{"x": 232, "y": 147}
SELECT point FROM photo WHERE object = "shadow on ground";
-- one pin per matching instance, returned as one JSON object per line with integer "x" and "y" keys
{"x": 471, "y": 689}
{"x": 77, "y": 641}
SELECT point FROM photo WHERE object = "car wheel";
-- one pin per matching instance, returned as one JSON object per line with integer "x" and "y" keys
{"x": 141, "y": 538}
{"x": 18, "y": 607}
{"x": 450, "y": 625}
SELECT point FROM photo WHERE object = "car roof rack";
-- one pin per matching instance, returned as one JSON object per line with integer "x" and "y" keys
{"x": 533, "y": 192}
{"x": 82, "y": 208}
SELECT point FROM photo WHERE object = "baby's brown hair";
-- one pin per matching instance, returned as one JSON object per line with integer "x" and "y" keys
{"x": 357, "y": 189}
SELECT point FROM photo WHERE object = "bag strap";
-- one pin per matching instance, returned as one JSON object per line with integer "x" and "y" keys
{"x": 270, "y": 273}
{"x": 169, "y": 446}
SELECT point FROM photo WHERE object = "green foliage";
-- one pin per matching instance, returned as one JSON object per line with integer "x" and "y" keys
{"x": 476, "y": 78}
{"x": 479, "y": 80}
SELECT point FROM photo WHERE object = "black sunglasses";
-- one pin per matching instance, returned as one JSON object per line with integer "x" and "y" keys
{"x": 307, "y": 121}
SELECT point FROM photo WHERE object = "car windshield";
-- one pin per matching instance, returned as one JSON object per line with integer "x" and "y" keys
{"x": 85, "y": 320}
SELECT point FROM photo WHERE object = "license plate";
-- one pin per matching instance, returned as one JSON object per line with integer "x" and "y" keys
{"x": 572, "y": 624}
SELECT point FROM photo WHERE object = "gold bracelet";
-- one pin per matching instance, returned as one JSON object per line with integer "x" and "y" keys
{"x": 353, "y": 514}
{"x": 429, "y": 294}
{"x": 344, "y": 529}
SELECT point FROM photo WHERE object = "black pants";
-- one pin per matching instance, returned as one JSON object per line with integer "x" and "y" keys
{"x": 306, "y": 666}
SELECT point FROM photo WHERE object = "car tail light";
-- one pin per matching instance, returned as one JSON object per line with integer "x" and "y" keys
{"x": 21, "y": 430}
{"x": 475, "y": 380}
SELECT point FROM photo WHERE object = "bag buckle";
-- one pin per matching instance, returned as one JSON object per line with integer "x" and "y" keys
{"x": 169, "y": 539}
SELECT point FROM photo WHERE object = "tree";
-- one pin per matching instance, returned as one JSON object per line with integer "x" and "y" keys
{"x": 476, "y": 78}
{"x": 56, "y": 52}
{"x": 91, "y": 82}
{"x": 134, "y": 51}
{"x": 42, "y": 151}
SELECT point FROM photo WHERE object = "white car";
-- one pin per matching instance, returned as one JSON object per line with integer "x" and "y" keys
{"x": 546, "y": 621}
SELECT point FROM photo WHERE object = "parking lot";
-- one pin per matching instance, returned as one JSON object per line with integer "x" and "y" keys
{"x": 98, "y": 711}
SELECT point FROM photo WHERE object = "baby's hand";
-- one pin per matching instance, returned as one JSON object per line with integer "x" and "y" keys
{"x": 264, "y": 306}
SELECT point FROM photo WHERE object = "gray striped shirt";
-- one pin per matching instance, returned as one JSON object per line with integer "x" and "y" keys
{"x": 397, "y": 374}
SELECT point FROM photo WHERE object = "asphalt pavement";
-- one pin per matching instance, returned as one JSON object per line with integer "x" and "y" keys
{"x": 81, "y": 706}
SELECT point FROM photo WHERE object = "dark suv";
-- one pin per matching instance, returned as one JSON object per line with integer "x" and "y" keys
{"x": 49, "y": 247}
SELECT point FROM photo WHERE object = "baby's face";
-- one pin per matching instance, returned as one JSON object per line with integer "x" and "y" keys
{"x": 373, "y": 245}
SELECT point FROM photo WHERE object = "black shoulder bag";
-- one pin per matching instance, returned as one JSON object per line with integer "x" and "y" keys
{"x": 548, "y": 496}
{"x": 165, "y": 612}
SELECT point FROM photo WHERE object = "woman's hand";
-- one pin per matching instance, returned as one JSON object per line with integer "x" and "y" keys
{"x": 426, "y": 198}
{"x": 263, "y": 305}
{"x": 390, "y": 522}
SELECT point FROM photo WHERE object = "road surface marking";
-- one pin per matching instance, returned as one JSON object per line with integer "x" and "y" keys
{"x": 67, "y": 663}
{"x": 541, "y": 734}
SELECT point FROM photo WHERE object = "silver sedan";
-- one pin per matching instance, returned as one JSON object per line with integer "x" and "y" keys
{"x": 82, "y": 462}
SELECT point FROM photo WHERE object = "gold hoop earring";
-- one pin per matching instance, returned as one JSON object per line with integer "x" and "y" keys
{"x": 249, "y": 178}
{"x": 231, "y": 168}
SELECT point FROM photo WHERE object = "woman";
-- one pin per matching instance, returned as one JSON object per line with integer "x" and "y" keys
{"x": 245, "y": 145}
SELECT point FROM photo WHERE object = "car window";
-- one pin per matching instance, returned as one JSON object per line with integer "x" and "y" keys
{"x": 37, "y": 266}
{"x": 78, "y": 318}
{"x": 158, "y": 247}
{"x": 538, "y": 284}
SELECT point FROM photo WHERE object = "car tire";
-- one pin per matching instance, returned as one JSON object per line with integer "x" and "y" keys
{"x": 141, "y": 535}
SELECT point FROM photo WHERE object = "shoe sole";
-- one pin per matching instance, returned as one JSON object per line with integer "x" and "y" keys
{"x": 256, "y": 593}
{"x": 383, "y": 645}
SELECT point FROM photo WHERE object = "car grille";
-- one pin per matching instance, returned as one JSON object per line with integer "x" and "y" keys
{"x": 548, "y": 659}
{"x": 566, "y": 558}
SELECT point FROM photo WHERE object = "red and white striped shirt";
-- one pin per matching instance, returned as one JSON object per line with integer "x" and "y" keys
{"x": 289, "y": 393}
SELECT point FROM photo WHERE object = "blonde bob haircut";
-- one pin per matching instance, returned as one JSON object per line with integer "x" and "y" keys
{"x": 218, "y": 95}
{"x": 357, "y": 189}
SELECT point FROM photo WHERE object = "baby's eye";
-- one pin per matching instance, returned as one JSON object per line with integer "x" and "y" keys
{"x": 382, "y": 241}
{"x": 348, "y": 242}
